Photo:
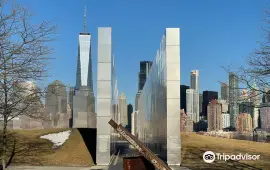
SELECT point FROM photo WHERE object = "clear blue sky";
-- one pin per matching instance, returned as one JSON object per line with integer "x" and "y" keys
{"x": 213, "y": 33}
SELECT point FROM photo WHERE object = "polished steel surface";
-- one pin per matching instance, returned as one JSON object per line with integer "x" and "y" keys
{"x": 159, "y": 102}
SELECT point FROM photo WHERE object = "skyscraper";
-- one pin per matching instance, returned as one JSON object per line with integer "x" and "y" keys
{"x": 84, "y": 100}
{"x": 200, "y": 103}
{"x": 129, "y": 111}
{"x": 256, "y": 101}
{"x": 214, "y": 116}
{"x": 137, "y": 99}
{"x": 123, "y": 110}
{"x": 194, "y": 84}
{"x": 224, "y": 91}
{"x": 145, "y": 67}
{"x": 183, "y": 96}
{"x": 190, "y": 103}
{"x": 84, "y": 61}
{"x": 233, "y": 99}
{"x": 208, "y": 96}
{"x": 134, "y": 123}
{"x": 56, "y": 98}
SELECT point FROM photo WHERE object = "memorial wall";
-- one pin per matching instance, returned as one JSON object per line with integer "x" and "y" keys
{"x": 159, "y": 103}
{"x": 106, "y": 97}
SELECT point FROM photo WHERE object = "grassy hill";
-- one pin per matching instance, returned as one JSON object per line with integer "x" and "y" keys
{"x": 31, "y": 150}
{"x": 194, "y": 145}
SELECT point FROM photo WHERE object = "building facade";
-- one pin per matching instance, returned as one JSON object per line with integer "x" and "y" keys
{"x": 159, "y": 103}
{"x": 134, "y": 123}
{"x": 194, "y": 84}
{"x": 255, "y": 98}
{"x": 190, "y": 103}
{"x": 129, "y": 112}
{"x": 225, "y": 120}
{"x": 265, "y": 117}
{"x": 123, "y": 110}
{"x": 233, "y": 99}
{"x": 137, "y": 99}
{"x": 244, "y": 123}
{"x": 224, "y": 91}
{"x": 145, "y": 67}
{"x": 186, "y": 123}
{"x": 56, "y": 104}
{"x": 214, "y": 116}
{"x": 208, "y": 96}
{"x": 224, "y": 106}
{"x": 183, "y": 97}
{"x": 200, "y": 103}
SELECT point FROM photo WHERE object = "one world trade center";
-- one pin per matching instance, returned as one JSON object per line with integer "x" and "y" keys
{"x": 83, "y": 100}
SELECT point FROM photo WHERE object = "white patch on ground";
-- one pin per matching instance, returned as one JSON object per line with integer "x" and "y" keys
{"x": 58, "y": 139}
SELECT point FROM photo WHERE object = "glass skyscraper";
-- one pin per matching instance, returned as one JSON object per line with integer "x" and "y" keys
{"x": 84, "y": 100}
{"x": 84, "y": 62}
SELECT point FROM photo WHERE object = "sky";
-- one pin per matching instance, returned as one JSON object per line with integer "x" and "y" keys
{"x": 214, "y": 33}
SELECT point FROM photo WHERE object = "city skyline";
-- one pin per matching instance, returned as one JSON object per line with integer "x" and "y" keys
{"x": 226, "y": 38}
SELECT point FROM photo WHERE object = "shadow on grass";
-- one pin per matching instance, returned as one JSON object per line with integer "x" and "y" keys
{"x": 89, "y": 136}
{"x": 25, "y": 151}
{"x": 193, "y": 159}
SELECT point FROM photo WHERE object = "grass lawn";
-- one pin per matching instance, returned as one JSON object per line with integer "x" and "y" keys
{"x": 31, "y": 150}
{"x": 194, "y": 145}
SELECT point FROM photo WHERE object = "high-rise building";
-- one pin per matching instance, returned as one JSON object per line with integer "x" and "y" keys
{"x": 129, "y": 111}
{"x": 224, "y": 106}
{"x": 183, "y": 119}
{"x": 214, "y": 116}
{"x": 244, "y": 122}
{"x": 208, "y": 96}
{"x": 256, "y": 101}
{"x": 56, "y": 104}
{"x": 233, "y": 99}
{"x": 186, "y": 123}
{"x": 225, "y": 120}
{"x": 145, "y": 67}
{"x": 194, "y": 84}
{"x": 84, "y": 99}
{"x": 265, "y": 117}
{"x": 123, "y": 110}
{"x": 134, "y": 123}
{"x": 137, "y": 99}
{"x": 84, "y": 60}
{"x": 183, "y": 96}
{"x": 190, "y": 103}
{"x": 200, "y": 103}
{"x": 224, "y": 91}
{"x": 56, "y": 98}
{"x": 246, "y": 107}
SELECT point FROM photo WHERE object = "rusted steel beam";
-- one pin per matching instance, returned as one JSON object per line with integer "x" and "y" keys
{"x": 143, "y": 150}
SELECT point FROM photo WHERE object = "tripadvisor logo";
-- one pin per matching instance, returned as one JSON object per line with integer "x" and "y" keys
{"x": 210, "y": 157}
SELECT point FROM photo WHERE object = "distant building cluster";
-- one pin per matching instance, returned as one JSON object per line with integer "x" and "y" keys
{"x": 234, "y": 110}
